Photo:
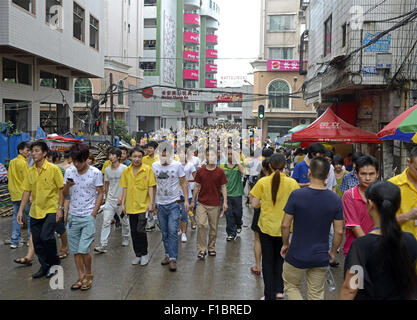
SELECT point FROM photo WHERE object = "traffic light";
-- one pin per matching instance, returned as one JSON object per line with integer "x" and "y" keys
{"x": 261, "y": 111}
{"x": 96, "y": 126}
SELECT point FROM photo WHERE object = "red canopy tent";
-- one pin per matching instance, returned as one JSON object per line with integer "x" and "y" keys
{"x": 330, "y": 128}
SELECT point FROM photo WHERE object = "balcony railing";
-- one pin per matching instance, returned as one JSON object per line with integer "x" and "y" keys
{"x": 192, "y": 18}
{"x": 191, "y": 37}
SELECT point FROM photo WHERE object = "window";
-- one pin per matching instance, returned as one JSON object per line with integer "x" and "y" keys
{"x": 190, "y": 84}
{"x": 55, "y": 81}
{"x": 148, "y": 66}
{"x": 281, "y": 22}
{"x": 150, "y": 2}
{"x": 78, "y": 22}
{"x": 275, "y": 90}
{"x": 149, "y": 23}
{"x": 82, "y": 90}
{"x": 149, "y": 44}
{"x": 16, "y": 72}
{"x": 280, "y": 127}
{"x": 281, "y": 53}
{"x": 328, "y": 36}
{"x": 94, "y": 32}
{"x": 53, "y": 13}
{"x": 120, "y": 94}
{"x": 344, "y": 34}
{"x": 28, "y": 5}
{"x": 128, "y": 28}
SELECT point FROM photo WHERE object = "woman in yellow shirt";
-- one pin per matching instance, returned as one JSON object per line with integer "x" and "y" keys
{"x": 271, "y": 195}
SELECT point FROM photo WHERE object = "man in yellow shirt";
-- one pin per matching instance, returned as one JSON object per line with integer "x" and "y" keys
{"x": 138, "y": 183}
{"x": 407, "y": 182}
{"x": 18, "y": 169}
{"x": 149, "y": 160}
{"x": 44, "y": 182}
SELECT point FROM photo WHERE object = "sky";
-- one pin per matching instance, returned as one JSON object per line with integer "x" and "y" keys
{"x": 238, "y": 36}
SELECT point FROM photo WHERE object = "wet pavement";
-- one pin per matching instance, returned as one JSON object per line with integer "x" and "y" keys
{"x": 224, "y": 277}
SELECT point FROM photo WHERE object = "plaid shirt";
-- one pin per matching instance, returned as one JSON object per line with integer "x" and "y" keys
{"x": 349, "y": 181}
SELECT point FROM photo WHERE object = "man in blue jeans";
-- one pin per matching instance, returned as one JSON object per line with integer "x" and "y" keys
{"x": 170, "y": 177}
{"x": 18, "y": 169}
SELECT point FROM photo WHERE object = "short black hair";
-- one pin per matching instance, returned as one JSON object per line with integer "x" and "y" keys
{"x": 328, "y": 153}
{"x": 22, "y": 146}
{"x": 366, "y": 161}
{"x": 337, "y": 159}
{"x": 49, "y": 153}
{"x": 267, "y": 152}
{"x": 153, "y": 144}
{"x": 125, "y": 149}
{"x": 44, "y": 147}
{"x": 67, "y": 154}
{"x": 356, "y": 156}
{"x": 116, "y": 151}
{"x": 319, "y": 168}
{"x": 56, "y": 156}
{"x": 413, "y": 153}
{"x": 315, "y": 148}
{"x": 80, "y": 152}
{"x": 136, "y": 149}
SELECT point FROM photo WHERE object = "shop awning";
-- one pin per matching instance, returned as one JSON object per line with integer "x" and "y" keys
{"x": 298, "y": 128}
{"x": 330, "y": 128}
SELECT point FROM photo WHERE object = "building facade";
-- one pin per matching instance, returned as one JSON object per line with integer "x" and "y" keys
{"x": 41, "y": 43}
{"x": 366, "y": 84}
{"x": 276, "y": 71}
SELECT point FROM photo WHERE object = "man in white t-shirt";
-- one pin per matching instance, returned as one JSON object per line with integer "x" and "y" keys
{"x": 170, "y": 177}
{"x": 85, "y": 186}
{"x": 113, "y": 192}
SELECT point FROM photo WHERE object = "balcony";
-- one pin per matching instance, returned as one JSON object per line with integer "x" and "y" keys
{"x": 211, "y": 53}
{"x": 211, "y": 38}
{"x": 191, "y": 37}
{"x": 211, "y": 83}
{"x": 211, "y": 68}
{"x": 192, "y": 19}
{"x": 190, "y": 74}
{"x": 191, "y": 56}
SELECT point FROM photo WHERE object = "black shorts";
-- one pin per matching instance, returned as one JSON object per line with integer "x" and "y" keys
{"x": 256, "y": 214}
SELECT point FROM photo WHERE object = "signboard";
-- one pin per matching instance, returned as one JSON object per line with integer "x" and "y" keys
{"x": 190, "y": 74}
{"x": 191, "y": 56}
{"x": 283, "y": 65}
{"x": 192, "y": 18}
{"x": 191, "y": 37}
{"x": 382, "y": 45}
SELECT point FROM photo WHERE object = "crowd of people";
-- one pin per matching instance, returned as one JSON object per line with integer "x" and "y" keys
{"x": 308, "y": 205}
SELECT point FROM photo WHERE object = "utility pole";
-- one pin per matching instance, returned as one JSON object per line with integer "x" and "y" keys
{"x": 111, "y": 109}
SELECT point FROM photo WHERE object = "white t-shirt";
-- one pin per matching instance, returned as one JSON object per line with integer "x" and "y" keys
{"x": 167, "y": 181}
{"x": 189, "y": 169}
{"x": 196, "y": 162}
{"x": 113, "y": 177}
{"x": 331, "y": 180}
{"x": 83, "y": 193}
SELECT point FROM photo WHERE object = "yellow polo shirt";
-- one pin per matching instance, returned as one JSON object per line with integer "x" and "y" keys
{"x": 137, "y": 198}
{"x": 18, "y": 170}
{"x": 271, "y": 216}
{"x": 44, "y": 187}
{"x": 149, "y": 161}
{"x": 408, "y": 200}
{"x": 105, "y": 165}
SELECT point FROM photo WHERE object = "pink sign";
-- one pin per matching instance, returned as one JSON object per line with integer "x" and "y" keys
{"x": 191, "y": 56}
{"x": 283, "y": 65}
{"x": 190, "y": 74}
{"x": 212, "y": 38}
{"x": 212, "y": 68}
{"x": 211, "y": 53}
{"x": 192, "y": 18}
{"x": 211, "y": 83}
{"x": 191, "y": 37}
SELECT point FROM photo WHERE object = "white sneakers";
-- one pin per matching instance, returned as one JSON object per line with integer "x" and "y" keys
{"x": 100, "y": 249}
{"x": 144, "y": 260}
{"x": 184, "y": 237}
{"x": 136, "y": 260}
{"x": 125, "y": 243}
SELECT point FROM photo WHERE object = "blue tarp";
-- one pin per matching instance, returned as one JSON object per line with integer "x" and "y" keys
{"x": 40, "y": 134}
{"x": 8, "y": 145}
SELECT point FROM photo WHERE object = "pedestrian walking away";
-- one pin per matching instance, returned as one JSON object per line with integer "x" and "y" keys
{"x": 271, "y": 194}
{"x": 312, "y": 209}
{"x": 84, "y": 184}
{"x": 138, "y": 183}
{"x": 44, "y": 183}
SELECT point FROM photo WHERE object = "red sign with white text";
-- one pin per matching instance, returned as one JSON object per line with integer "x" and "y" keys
{"x": 212, "y": 38}
{"x": 191, "y": 37}
{"x": 190, "y": 74}
{"x": 211, "y": 83}
{"x": 283, "y": 65}
{"x": 211, "y": 68}
{"x": 211, "y": 53}
{"x": 191, "y": 56}
{"x": 192, "y": 18}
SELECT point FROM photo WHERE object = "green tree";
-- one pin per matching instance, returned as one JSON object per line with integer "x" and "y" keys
{"x": 120, "y": 129}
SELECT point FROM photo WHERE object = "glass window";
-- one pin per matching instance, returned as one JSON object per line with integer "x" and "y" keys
{"x": 9, "y": 70}
{"x": 82, "y": 90}
{"x": 275, "y": 91}
{"x": 148, "y": 66}
{"x": 23, "y": 73}
{"x": 94, "y": 32}
{"x": 281, "y": 22}
{"x": 150, "y": 2}
{"x": 149, "y": 44}
{"x": 120, "y": 94}
{"x": 281, "y": 53}
{"x": 53, "y": 12}
{"x": 149, "y": 23}
{"x": 51, "y": 80}
{"x": 78, "y": 22}
{"x": 328, "y": 36}
{"x": 28, "y": 5}
{"x": 344, "y": 34}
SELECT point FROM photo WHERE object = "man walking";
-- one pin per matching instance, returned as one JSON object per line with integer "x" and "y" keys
{"x": 138, "y": 183}
{"x": 170, "y": 177}
{"x": 233, "y": 170}
{"x": 313, "y": 209}
{"x": 113, "y": 192}
{"x": 18, "y": 170}
{"x": 149, "y": 159}
{"x": 210, "y": 180}
{"x": 84, "y": 184}
{"x": 44, "y": 182}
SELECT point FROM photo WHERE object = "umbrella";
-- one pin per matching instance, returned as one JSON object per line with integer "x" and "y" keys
{"x": 403, "y": 127}
{"x": 298, "y": 128}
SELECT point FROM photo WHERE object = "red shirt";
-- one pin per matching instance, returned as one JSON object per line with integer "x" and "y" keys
{"x": 356, "y": 215}
{"x": 210, "y": 182}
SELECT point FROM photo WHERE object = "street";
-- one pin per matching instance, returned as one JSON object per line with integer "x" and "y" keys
{"x": 224, "y": 277}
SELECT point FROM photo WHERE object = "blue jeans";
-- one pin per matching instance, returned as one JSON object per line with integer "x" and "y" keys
{"x": 169, "y": 216}
{"x": 183, "y": 213}
{"x": 15, "y": 237}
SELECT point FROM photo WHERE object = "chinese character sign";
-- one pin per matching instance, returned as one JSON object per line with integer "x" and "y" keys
{"x": 283, "y": 65}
